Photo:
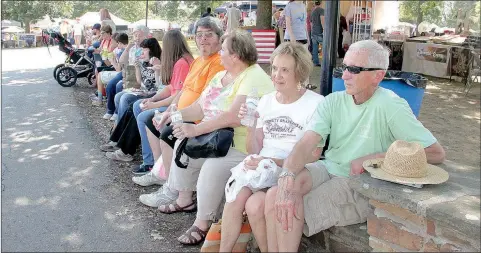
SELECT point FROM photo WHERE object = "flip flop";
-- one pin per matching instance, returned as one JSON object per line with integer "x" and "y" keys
{"x": 177, "y": 208}
{"x": 191, "y": 239}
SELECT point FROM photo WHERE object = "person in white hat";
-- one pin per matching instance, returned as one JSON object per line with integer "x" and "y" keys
{"x": 362, "y": 122}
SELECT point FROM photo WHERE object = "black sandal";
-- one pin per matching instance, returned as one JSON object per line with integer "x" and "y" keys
{"x": 177, "y": 208}
{"x": 191, "y": 239}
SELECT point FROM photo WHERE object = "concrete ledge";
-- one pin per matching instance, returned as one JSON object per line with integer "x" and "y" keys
{"x": 450, "y": 211}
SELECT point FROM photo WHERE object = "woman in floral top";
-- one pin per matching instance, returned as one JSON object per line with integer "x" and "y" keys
{"x": 216, "y": 108}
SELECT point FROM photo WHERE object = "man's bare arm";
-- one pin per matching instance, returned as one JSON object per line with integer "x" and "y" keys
{"x": 302, "y": 152}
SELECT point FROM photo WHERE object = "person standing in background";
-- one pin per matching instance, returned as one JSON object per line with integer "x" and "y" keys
{"x": 317, "y": 23}
{"x": 105, "y": 19}
{"x": 64, "y": 29}
{"x": 233, "y": 17}
{"x": 296, "y": 26}
{"x": 208, "y": 13}
{"x": 77, "y": 32}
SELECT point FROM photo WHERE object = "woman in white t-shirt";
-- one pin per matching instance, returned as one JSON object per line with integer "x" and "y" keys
{"x": 282, "y": 119}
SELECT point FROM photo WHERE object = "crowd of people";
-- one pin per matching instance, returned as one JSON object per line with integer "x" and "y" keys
{"x": 177, "y": 102}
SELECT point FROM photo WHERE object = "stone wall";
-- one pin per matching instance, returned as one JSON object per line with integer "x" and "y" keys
{"x": 436, "y": 218}
{"x": 395, "y": 229}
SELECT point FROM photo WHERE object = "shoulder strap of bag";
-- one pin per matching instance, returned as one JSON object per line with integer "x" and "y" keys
{"x": 179, "y": 152}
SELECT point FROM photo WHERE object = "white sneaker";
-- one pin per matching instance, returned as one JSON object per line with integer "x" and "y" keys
{"x": 162, "y": 196}
{"x": 148, "y": 179}
{"x": 119, "y": 156}
{"x": 114, "y": 117}
{"x": 107, "y": 116}
{"x": 109, "y": 147}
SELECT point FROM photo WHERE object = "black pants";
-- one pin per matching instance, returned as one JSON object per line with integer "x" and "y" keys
{"x": 126, "y": 133}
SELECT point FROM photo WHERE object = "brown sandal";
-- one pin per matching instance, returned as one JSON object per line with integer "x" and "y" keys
{"x": 178, "y": 208}
{"x": 191, "y": 239}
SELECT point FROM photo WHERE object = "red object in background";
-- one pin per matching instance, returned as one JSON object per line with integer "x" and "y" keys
{"x": 265, "y": 44}
{"x": 244, "y": 14}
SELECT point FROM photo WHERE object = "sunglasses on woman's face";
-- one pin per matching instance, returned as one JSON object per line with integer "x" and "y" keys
{"x": 356, "y": 69}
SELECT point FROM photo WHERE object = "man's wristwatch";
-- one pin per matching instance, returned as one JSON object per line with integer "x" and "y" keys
{"x": 287, "y": 174}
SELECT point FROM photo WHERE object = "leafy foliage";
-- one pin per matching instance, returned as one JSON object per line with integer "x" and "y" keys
{"x": 430, "y": 11}
{"x": 30, "y": 11}
{"x": 441, "y": 13}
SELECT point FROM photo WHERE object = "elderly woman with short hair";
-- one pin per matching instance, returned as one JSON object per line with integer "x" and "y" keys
{"x": 217, "y": 108}
{"x": 283, "y": 118}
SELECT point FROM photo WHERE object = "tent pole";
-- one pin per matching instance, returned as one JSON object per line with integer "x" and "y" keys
{"x": 146, "y": 11}
{"x": 329, "y": 45}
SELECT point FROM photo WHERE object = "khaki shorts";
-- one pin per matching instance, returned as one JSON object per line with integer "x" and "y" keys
{"x": 107, "y": 76}
{"x": 331, "y": 202}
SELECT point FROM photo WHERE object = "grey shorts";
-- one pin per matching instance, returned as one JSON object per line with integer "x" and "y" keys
{"x": 331, "y": 202}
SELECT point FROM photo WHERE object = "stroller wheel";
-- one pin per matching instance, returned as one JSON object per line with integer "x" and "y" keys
{"x": 67, "y": 77}
{"x": 92, "y": 79}
{"x": 55, "y": 70}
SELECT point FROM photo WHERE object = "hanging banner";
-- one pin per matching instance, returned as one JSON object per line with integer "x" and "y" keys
{"x": 431, "y": 52}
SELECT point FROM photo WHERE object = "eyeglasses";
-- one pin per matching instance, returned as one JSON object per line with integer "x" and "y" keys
{"x": 204, "y": 34}
{"x": 356, "y": 69}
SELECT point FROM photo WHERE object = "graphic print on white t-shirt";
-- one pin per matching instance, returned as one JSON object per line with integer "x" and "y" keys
{"x": 284, "y": 124}
{"x": 281, "y": 127}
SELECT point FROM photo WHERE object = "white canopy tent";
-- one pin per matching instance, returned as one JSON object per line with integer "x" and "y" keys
{"x": 6, "y": 23}
{"x": 13, "y": 29}
{"x": 153, "y": 24}
{"x": 91, "y": 18}
{"x": 44, "y": 23}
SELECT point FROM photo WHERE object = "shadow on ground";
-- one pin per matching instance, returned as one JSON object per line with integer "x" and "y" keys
{"x": 52, "y": 179}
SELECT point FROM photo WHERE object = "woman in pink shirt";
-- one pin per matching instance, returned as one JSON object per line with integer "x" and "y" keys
{"x": 170, "y": 74}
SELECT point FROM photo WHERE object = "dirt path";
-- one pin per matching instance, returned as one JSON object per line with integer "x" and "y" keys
{"x": 454, "y": 119}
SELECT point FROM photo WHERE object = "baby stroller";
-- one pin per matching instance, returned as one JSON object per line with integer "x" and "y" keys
{"x": 78, "y": 64}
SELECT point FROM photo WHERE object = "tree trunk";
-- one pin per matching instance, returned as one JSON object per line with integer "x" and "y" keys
{"x": 26, "y": 22}
{"x": 420, "y": 16}
{"x": 264, "y": 14}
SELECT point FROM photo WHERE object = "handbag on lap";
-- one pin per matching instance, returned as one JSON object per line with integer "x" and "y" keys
{"x": 210, "y": 145}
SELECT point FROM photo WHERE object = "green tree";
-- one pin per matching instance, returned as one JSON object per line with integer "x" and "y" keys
{"x": 182, "y": 12}
{"x": 418, "y": 11}
{"x": 128, "y": 10}
{"x": 473, "y": 8}
{"x": 31, "y": 11}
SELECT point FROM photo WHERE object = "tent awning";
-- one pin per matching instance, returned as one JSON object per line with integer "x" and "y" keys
{"x": 13, "y": 29}
{"x": 153, "y": 24}
{"x": 10, "y": 23}
{"x": 91, "y": 18}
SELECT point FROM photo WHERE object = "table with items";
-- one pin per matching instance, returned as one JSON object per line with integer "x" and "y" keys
{"x": 444, "y": 56}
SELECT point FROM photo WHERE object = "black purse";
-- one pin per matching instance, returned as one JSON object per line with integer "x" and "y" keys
{"x": 210, "y": 145}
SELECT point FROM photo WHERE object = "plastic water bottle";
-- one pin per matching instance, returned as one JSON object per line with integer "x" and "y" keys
{"x": 252, "y": 101}
{"x": 175, "y": 115}
{"x": 157, "y": 116}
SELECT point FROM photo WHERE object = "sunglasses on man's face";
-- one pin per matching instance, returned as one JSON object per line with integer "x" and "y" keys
{"x": 356, "y": 69}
